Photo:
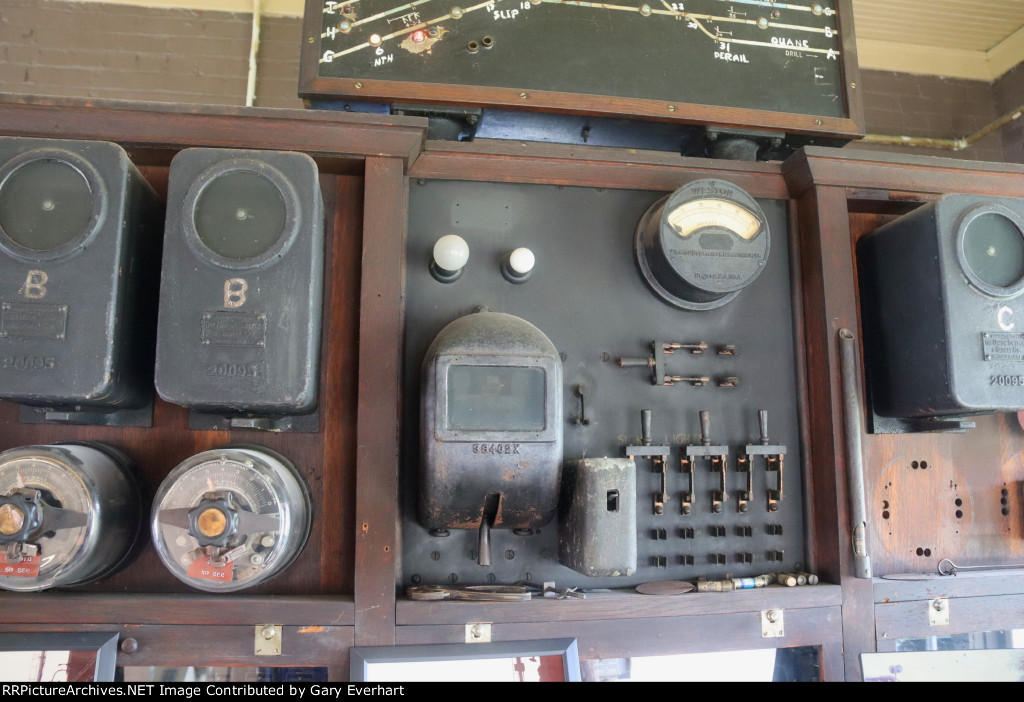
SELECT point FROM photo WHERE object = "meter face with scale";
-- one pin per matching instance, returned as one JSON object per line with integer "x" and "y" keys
{"x": 491, "y": 425}
{"x": 69, "y": 514}
{"x": 703, "y": 244}
{"x": 228, "y": 519}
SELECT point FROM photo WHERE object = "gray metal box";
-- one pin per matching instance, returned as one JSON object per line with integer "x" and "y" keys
{"x": 80, "y": 232}
{"x": 598, "y": 524}
{"x": 241, "y": 293}
{"x": 942, "y": 300}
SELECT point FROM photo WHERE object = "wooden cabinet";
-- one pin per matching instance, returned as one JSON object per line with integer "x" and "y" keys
{"x": 344, "y": 589}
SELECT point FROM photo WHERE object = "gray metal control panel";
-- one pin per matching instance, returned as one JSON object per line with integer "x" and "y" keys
{"x": 718, "y": 484}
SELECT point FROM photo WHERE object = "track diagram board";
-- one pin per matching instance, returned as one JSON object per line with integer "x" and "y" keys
{"x": 752, "y": 54}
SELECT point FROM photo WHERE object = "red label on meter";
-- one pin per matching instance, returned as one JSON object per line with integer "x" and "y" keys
{"x": 203, "y": 569}
{"x": 25, "y": 567}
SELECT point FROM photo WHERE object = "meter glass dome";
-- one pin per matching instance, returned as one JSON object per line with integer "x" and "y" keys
{"x": 240, "y": 215}
{"x": 994, "y": 250}
{"x": 228, "y": 519}
{"x": 45, "y": 204}
{"x": 69, "y": 515}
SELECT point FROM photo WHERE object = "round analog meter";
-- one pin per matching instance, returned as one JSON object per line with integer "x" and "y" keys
{"x": 700, "y": 246}
{"x": 228, "y": 519}
{"x": 69, "y": 514}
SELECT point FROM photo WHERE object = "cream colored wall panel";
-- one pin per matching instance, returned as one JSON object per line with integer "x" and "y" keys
{"x": 269, "y": 8}
{"x": 960, "y": 24}
{"x": 909, "y": 58}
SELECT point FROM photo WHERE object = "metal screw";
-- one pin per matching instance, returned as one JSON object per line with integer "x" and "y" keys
{"x": 853, "y": 86}
{"x": 671, "y": 108}
{"x": 818, "y": 122}
{"x": 358, "y": 86}
{"x": 309, "y": 40}
{"x": 268, "y": 632}
{"x": 256, "y": 559}
{"x": 510, "y": 554}
{"x": 522, "y": 95}
{"x": 772, "y": 616}
{"x": 939, "y": 605}
{"x": 477, "y": 632}
{"x": 129, "y": 646}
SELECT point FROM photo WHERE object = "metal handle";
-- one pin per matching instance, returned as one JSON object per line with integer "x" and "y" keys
{"x": 645, "y": 427}
{"x": 854, "y": 455}
{"x": 483, "y": 546}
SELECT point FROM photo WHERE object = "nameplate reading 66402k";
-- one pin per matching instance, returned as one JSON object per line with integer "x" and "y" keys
{"x": 1003, "y": 346}
{"x": 27, "y": 320}
{"x": 235, "y": 328}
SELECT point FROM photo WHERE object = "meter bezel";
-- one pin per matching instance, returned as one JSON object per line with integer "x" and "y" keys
{"x": 963, "y": 222}
{"x": 100, "y": 198}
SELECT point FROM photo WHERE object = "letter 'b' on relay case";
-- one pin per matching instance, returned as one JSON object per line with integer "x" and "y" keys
{"x": 79, "y": 247}
{"x": 242, "y": 289}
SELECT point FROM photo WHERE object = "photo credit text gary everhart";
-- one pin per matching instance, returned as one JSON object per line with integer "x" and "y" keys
{"x": 302, "y": 691}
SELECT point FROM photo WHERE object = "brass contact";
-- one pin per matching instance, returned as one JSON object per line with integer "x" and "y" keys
{"x": 211, "y": 522}
{"x": 12, "y": 519}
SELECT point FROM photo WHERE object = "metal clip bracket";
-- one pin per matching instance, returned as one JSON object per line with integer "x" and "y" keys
{"x": 268, "y": 639}
{"x": 938, "y": 611}
{"x": 772, "y": 624}
{"x": 478, "y": 632}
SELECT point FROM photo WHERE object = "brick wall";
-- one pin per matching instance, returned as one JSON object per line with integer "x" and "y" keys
{"x": 50, "y": 47}
{"x": 900, "y": 104}
{"x": 1009, "y": 92}
{"x": 133, "y": 53}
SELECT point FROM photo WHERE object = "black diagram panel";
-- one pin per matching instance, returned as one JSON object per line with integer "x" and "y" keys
{"x": 772, "y": 56}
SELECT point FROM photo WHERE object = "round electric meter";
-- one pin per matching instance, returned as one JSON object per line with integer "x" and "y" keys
{"x": 230, "y": 518}
{"x": 700, "y": 246}
{"x": 70, "y": 514}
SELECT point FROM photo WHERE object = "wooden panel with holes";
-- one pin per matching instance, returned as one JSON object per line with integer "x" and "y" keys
{"x": 936, "y": 496}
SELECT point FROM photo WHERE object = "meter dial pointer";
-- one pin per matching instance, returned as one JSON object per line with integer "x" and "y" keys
{"x": 248, "y": 522}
